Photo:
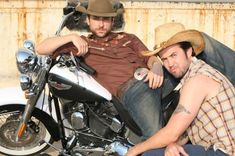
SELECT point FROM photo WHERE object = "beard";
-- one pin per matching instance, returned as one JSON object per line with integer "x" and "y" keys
{"x": 180, "y": 71}
{"x": 101, "y": 33}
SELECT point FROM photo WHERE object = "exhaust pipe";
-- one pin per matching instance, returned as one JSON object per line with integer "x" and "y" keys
{"x": 119, "y": 148}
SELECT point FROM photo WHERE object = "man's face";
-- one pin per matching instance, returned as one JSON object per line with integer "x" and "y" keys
{"x": 100, "y": 26}
{"x": 175, "y": 60}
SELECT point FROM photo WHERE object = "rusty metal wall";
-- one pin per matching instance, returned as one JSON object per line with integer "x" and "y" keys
{"x": 38, "y": 19}
{"x": 218, "y": 20}
{"x": 25, "y": 19}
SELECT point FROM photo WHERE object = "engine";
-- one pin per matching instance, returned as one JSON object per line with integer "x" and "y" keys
{"x": 100, "y": 118}
{"x": 96, "y": 125}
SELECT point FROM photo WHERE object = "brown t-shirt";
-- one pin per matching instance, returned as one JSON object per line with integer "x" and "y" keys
{"x": 115, "y": 58}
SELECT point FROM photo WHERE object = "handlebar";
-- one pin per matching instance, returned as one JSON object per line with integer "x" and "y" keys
{"x": 83, "y": 66}
{"x": 80, "y": 64}
{"x": 62, "y": 24}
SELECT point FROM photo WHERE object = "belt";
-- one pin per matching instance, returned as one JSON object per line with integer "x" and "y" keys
{"x": 140, "y": 74}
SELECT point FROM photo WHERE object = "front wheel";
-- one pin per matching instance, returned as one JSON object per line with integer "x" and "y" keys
{"x": 32, "y": 141}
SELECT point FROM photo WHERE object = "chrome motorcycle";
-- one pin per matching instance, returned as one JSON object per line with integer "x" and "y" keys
{"x": 65, "y": 103}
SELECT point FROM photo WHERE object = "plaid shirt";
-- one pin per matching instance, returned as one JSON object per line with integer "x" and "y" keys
{"x": 214, "y": 125}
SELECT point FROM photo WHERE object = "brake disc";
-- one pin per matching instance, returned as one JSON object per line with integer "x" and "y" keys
{"x": 8, "y": 132}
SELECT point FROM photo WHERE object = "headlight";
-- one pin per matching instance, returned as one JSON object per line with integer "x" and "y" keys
{"x": 28, "y": 44}
{"x": 26, "y": 60}
{"x": 25, "y": 82}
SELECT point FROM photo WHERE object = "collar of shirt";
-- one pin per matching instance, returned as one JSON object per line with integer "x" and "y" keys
{"x": 109, "y": 37}
{"x": 185, "y": 77}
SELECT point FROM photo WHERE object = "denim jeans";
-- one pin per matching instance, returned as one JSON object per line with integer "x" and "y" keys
{"x": 144, "y": 104}
{"x": 219, "y": 56}
{"x": 192, "y": 150}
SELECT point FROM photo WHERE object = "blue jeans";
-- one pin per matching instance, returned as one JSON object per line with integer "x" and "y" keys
{"x": 144, "y": 104}
{"x": 219, "y": 56}
{"x": 192, "y": 150}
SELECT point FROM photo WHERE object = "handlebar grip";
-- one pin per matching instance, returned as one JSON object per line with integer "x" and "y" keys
{"x": 68, "y": 9}
{"x": 87, "y": 68}
{"x": 83, "y": 66}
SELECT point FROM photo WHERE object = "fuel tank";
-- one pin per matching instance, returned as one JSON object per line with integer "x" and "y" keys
{"x": 73, "y": 84}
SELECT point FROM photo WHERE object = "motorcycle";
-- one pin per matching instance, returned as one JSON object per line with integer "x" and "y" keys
{"x": 65, "y": 103}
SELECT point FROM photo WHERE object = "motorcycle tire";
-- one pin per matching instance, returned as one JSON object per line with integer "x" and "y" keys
{"x": 33, "y": 140}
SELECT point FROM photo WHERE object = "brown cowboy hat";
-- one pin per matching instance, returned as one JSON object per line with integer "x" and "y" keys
{"x": 101, "y": 8}
{"x": 172, "y": 33}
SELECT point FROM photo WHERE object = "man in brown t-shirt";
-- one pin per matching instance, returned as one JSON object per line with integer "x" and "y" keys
{"x": 116, "y": 57}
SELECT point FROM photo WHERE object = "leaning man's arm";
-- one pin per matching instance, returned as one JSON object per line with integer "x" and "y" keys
{"x": 180, "y": 120}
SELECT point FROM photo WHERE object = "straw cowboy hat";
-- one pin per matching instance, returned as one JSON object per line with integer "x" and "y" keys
{"x": 101, "y": 8}
{"x": 172, "y": 33}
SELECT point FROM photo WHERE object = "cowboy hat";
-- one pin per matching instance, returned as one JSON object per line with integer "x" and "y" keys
{"x": 101, "y": 8}
{"x": 172, "y": 33}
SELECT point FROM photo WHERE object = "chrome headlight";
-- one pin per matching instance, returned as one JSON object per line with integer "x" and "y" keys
{"x": 28, "y": 44}
{"x": 25, "y": 82}
{"x": 26, "y": 60}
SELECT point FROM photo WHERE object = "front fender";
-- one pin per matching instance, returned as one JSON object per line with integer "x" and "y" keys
{"x": 14, "y": 97}
{"x": 10, "y": 95}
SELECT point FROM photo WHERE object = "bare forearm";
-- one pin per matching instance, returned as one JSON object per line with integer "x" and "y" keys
{"x": 152, "y": 60}
{"x": 159, "y": 140}
{"x": 155, "y": 74}
{"x": 49, "y": 45}
{"x": 165, "y": 136}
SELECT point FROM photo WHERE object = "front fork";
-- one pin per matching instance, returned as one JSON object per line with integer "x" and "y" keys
{"x": 32, "y": 95}
{"x": 62, "y": 135}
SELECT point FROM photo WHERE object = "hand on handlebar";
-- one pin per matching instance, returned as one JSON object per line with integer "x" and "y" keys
{"x": 81, "y": 45}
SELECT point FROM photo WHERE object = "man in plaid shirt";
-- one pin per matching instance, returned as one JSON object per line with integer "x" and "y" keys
{"x": 206, "y": 109}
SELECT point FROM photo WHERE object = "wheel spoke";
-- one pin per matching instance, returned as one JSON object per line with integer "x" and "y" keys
{"x": 31, "y": 138}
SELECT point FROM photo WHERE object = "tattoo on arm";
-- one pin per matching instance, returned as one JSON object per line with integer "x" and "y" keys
{"x": 183, "y": 139}
{"x": 181, "y": 108}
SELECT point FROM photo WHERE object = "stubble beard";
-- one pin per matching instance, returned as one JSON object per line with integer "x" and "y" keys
{"x": 101, "y": 35}
{"x": 181, "y": 73}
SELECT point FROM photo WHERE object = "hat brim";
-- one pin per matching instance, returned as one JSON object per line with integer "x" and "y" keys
{"x": 193, "y": 36}
{"x": 84, "y": 10}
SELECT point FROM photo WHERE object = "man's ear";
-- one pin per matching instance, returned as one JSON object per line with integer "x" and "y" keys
{"x": 113, "y": 21}
{"x": 190, "y": 52}
{"x": 87, "y": 20}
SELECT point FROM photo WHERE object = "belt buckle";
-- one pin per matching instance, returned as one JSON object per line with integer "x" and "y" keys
{"x": 140, "y": 73}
